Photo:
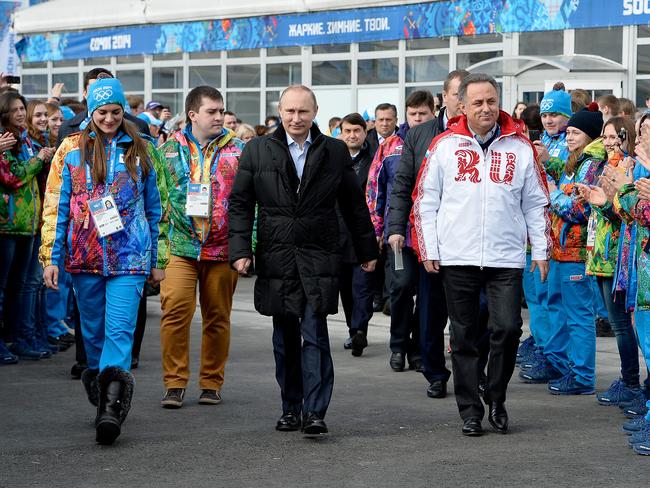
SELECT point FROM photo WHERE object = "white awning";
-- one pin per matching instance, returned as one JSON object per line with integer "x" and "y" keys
{"x": 516, "y": 65}
{"x": 73, "y": 15}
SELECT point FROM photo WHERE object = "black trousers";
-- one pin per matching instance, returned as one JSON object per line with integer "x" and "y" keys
{"x": 357, "y": 293}
{"x": 432, "y": 310}
{"x": 503, "y": 291}
{"x": 404, "y": 322}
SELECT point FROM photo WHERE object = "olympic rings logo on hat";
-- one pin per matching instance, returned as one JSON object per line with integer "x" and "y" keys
{"x": 546, "y": 105}
{"x": 103, "y": 94}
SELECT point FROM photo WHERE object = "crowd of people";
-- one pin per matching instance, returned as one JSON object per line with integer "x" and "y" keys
{"x": 462, "y": 215}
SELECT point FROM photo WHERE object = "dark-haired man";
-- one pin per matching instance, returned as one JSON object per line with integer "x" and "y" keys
{"x": 200, "y": 164}
{"x": 71, "y": 126}
{"x": 385, "y": 125}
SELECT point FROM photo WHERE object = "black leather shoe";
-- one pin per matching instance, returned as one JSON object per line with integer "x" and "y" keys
{"x": 289, "y": 422}
{"x": 359, "y": 343}
{"x": 313, "y": 425}
{"x": 77, "y": 369}
{"x": 437, "y": 389}
{"x": 415, "y": 362}
{"x": 482, "y": 385}
{"x": 472, "y": 427}
{"x": 397, "y": 361}
{"x": 498, "y": 417}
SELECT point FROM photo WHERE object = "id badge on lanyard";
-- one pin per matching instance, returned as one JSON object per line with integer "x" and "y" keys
{"x": 198, "y": 194}
{"x": 591, "y": 231}
{"x": 104, "y": 209}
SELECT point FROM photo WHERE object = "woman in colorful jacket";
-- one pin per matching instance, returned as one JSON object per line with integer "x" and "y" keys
{"x": 571, "y": 347}
{"x": 102, "y": 210}
{"x": 603, "y": 239}
{"x": 19, "y": 222}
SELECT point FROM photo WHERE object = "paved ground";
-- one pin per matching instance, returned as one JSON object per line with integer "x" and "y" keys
{"x": 385, "y": 432}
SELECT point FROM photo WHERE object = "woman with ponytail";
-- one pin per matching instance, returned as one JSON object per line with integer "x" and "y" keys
{"x": 102, "y": 213}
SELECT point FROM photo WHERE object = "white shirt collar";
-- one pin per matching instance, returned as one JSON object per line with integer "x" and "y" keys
{"x": 291, "y": 141}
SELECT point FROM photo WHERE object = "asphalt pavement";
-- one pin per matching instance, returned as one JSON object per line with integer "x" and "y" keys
{"x": 384, "y": 430}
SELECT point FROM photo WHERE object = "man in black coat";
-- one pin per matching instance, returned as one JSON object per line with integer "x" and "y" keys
{"x": 297, "y": 176}
{"x": 72, "y": 125}
{"x": 430, "y": 295}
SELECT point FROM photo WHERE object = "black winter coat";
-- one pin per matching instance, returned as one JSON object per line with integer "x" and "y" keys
{"x": 298, "y": 254}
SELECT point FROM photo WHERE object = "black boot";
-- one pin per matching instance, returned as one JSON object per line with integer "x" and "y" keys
{"x": 89, "y": 380}
{"x": 115, "y": 393}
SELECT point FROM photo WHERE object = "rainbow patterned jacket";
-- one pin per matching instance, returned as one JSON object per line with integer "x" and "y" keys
{"x": 69, "y": 230}
{"x": 20, "y": 202}
{"x": 204, "y": 239}
{"x": 568, "y": 215}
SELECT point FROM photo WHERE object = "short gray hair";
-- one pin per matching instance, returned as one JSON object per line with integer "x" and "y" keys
{"x": 301, "y": 88}
{"x": 475, "y": 78}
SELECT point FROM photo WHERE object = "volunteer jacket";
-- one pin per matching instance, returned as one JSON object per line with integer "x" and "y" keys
{"x": 68, "y": 226}
{"x": 20, "y": 202}
{"x": 569, "y": 214}
{"x": 476, "y": 208}
{"x": 205, "y": 239}
{"x": 558, "y": 151}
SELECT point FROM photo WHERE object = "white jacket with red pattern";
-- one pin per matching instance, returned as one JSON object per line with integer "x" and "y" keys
{"x": 476, "y": 208}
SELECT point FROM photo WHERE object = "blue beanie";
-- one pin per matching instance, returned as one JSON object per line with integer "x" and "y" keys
{"x": 104, "y": 91}
{"x": 557, "y": 101}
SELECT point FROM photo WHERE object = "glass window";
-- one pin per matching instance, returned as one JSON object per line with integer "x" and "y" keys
{"x": 283, "y": 51}
{"x": 37, "y": 64}
{"x": 484, "y": 39}
{"x": 246, "y": 105}
{"x": 330, "y": 48}
{"x": 330, "y": 73}
{"x": 541, "y": 43}
{"x": 130, "y": 59}
{"x": 373, "y": 71}
{"x": 643, "y": 59}
{"x": 171, "y": 77}
{"x": 34, "y": 84}
{"x": 66, "y": 63}
{"x": 172, "y": 100}
{"x": 606, "y": 42}
{"x": 465, "y": 60}
{"x": 93, "y": 62}
{"x": 272, "y": 99}
{"x": 643, "y": 31}
{"x": 244, "y": 53}
{"x": 206, "y": 55}
{"x": 435, "y": 90}
{"x": 243, "y": 76}
{"x": 427, "y": 68}
{"x": 332, "y": 102}
{"x": 642, "y": 92}
{"x": 427, "y": 43}
{"x": 132, "y": 80}
{"x": 369, "y": 97}
{"x": 205, "y": 75}
{"x": 283, "y": 74}
{"x": 378, "y": 46}
{"x": 70, "y": 80}
{"x": 167, "y": 56}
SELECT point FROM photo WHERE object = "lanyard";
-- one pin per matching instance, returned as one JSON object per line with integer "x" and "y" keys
{"x": 111, "y": 169}
{"x": 186, "y": 166}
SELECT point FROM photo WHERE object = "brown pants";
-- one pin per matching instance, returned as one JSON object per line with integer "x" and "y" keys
{"x": 217, "y": 282}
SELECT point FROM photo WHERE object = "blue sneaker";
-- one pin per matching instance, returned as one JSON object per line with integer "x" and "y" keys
{"x": 536, "y": 358}
{"x": 568, "y": 385}
{"x": 642, "y": 435}
{"x": 5, "y": 355}
{"x": 25, "y": 351}
{"x": 616, "y": 393}
{"x": 637, "y": 408}
{"x": 541, "y": 373}
{"x": 635, "y": 425}
{"x": 526, "y": 348}
{"x": 642, "y": 448}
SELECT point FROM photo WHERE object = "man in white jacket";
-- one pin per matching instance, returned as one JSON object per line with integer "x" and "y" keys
{"x": 479, "y": 198}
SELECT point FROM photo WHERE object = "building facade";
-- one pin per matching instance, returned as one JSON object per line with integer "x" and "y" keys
{"x": 357, "y": 58}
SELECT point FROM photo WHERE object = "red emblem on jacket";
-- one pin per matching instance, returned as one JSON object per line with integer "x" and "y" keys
{"x": 467, "y": 161}
{"x": 495, "y": 168}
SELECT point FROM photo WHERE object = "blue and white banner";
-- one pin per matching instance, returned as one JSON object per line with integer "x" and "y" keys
{"x": 8, "y": 57}
{"x": 431, "y": 19}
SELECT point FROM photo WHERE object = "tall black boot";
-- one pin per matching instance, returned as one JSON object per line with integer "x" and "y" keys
{"x": 89, "y": 380}
{"x": 115, "y": 393}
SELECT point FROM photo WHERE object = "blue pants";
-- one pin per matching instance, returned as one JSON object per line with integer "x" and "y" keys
{"x": 30, "y": 326}
{"x": 108, "y": 308}
{"x": 305, "y": 374}
{"x": 621, "y": 323}
{"x": 56, "y": 305}
{"x": 536, "y": 294}
{"x": 571, "y": 347}
{"x": 598, "y": 304}
{"x": 15, "y": 258}
{"x": 642, "y": 323}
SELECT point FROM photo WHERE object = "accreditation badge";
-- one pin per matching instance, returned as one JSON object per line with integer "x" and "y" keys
{"x": 105, "y": 215}
{"x": 591, "y": 231}
{"x": 198, "y": 200}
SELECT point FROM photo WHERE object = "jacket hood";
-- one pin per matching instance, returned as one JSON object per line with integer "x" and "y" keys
{"x": 458, "y": 125}
{"x": 596, "y": 149}
{"x": 221, "y": 140}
